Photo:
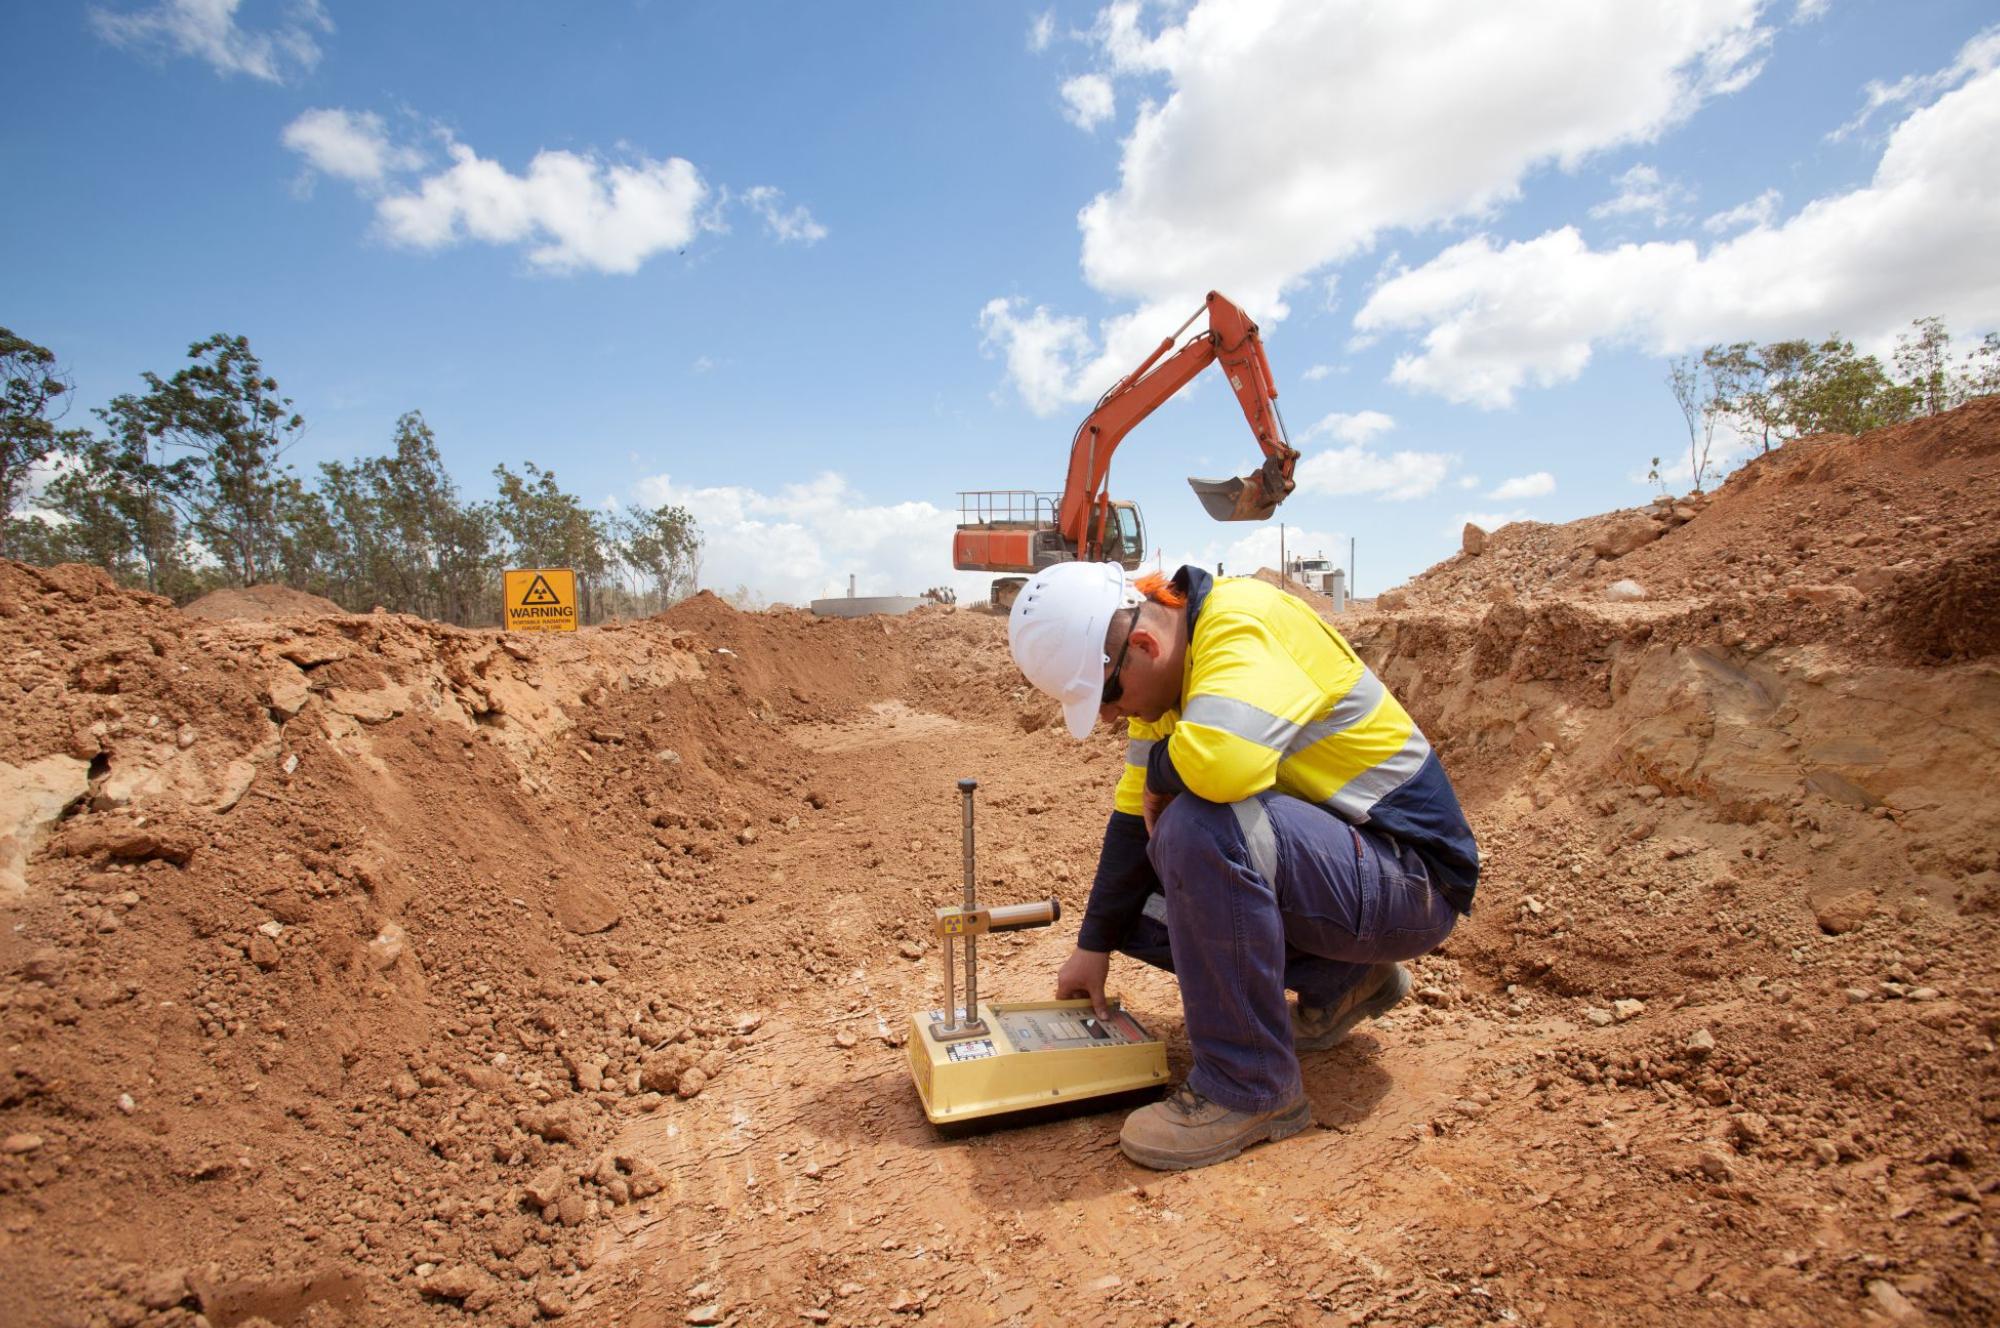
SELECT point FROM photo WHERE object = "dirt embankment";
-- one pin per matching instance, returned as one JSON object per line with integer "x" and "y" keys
{"x": 363, "y": 970}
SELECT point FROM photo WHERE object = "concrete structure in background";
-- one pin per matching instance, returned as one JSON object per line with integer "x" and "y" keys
{"x": 860, "y": 606}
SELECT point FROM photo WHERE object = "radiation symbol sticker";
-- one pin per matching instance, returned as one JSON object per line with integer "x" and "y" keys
{"x": 540, "y": 600}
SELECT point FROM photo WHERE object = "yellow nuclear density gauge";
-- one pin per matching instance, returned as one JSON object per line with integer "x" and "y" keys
{"x": 1035, "y": 1054}
{"x": 996, "y": 1058}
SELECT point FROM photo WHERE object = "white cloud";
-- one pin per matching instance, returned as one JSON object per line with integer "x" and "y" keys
{"x": 1642, "y": 193}
{"x": 1088, "y": 101}
{"x": 1317, "y": 372}
{"x": 1468, "y": 481}
{"x": 1486, "y": 521}
{"x": 207, "y": 30}
{"x": 1042, "y": 31}
{"x": 574, "y": 211}
{"x": 1359, "y": 427}
{"x": 1728, "y": 448}
{"x": 1757, "y": 212}
{"x": 1916, "y": 240}
{"x": 1499, "y": 318}
{"x": 1975, "y": 57}
{"x": 1354, "y": 471}
{"x": 802, "y": 542}
{"x": 1538, "y": 485}
{"x": 1808, "y": 10}
{"x": 349, "y": 145}
{"x": 796, "y": 225}
{"x": 1223, "y": 185}
{"x": 1042, "y": 351}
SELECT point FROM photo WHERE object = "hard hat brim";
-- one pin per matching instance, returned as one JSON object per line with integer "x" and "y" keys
{"x": 1081, "y": 714}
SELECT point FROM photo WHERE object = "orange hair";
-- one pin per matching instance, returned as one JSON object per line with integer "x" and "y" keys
{"x": 1156, "y": 587}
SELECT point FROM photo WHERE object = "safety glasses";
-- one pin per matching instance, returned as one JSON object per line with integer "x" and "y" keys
{"x": 1113, "y": 688}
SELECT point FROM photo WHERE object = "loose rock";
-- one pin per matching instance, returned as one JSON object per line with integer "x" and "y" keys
{"x": 45, "y": 966}
{"x": 1893, "y": 1302}
{"x": 546, "y": 1187}
{"x": 263, "y": 952}
{"x": 1622, "y": 537}
{"x": 387, "y": 947}
{"x": 1749, "y": 1130}
{"x": 1841, "y": 912}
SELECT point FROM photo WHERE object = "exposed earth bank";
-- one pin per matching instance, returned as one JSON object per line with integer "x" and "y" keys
{"x": 359, "y": 969}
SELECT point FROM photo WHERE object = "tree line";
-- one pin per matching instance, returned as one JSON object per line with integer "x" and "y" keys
{"x": 1792, "y": 389}
{"x": 182, "y": 488}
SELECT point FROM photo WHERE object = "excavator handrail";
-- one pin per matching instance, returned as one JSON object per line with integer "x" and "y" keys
{"x": 1007, "y": 507}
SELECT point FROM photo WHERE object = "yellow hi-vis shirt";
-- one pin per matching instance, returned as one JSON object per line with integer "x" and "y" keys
{"x": 1274, "y": 697}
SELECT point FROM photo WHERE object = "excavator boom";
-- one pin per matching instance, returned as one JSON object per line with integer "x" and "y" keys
{"x": 1232, "y": 339}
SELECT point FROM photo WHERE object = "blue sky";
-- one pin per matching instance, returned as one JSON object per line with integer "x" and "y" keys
{"x": 813, "y": 268}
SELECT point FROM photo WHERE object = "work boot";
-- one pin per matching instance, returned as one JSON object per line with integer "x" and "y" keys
{"x": 1187, "y": 1130}
{"x": 1315, "y": 1028}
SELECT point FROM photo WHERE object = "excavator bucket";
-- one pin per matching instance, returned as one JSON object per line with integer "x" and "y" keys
{"x": 1235, "y": 499}
{"x": 1252, "y": 497}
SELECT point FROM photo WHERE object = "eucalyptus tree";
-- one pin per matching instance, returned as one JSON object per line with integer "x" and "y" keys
{"x": 221, "y": 427}
{"x": 33, "y": 392}
{"x": 662, "y": 549}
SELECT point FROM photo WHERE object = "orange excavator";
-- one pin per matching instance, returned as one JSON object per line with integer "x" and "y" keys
{"x": 1019, "y": 530}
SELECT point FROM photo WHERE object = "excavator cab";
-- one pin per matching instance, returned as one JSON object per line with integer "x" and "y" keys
{"x": 1125, "y": 541}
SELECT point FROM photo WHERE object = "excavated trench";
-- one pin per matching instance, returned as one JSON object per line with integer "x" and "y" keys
{"x": 362, "y": 970}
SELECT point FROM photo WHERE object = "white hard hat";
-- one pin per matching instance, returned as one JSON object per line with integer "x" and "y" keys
{"x": 1056, "y": 631}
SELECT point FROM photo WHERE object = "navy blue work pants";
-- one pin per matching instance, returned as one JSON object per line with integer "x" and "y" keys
{"x": 1267, "y": 895}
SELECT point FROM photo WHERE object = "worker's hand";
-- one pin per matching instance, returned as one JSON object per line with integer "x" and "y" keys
{"x": 1083, "y": 974}
{"x": 1155, "y": 804}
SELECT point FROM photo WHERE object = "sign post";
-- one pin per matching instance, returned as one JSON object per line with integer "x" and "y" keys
{"x": 540, "y": 599}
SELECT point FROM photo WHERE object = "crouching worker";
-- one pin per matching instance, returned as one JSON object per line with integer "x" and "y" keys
{"x": 1281, "y": 825}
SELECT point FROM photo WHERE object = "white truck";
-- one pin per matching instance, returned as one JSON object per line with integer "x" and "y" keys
{"x": 1318, "y": 573}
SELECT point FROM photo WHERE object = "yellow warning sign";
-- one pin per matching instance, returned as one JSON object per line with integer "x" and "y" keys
{"x": 541, "y": 599}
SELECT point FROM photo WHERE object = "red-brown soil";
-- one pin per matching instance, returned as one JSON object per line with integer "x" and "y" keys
{"x": 358, "y": 969}
{"x": 263, "y": 603}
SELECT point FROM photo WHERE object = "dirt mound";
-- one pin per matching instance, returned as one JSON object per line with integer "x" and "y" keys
{"x": 1824, "y": 538}
{"x": 1322, "y": 604}
{"x": 261, "y": 604}
{"x": 361, "y": 969}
